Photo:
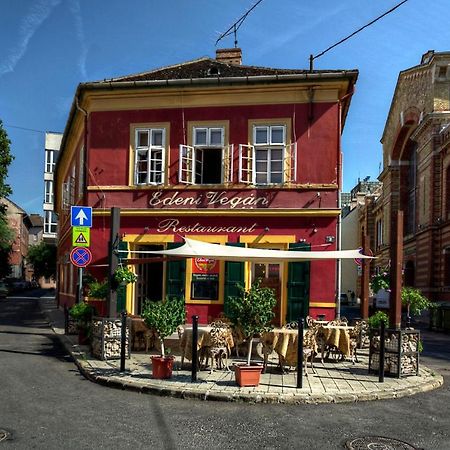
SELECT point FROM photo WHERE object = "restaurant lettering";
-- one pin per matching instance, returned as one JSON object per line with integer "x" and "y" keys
{"x": 210, "y": 198}
{"x": 173, "y": 225}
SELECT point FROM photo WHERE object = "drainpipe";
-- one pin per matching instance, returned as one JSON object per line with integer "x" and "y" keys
{"x": 339, "y": 178}
{"x": 79, "y": 290}
{"x": 338, "y": 225}
{"x": 85, "y": 113}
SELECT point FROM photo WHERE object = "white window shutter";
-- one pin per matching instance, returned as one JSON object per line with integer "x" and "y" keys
{"x": 228, "y": 153}
{"x": 290, "y": 163}
{"x": 246, "y": 153}
{"x": 186, "y": 165}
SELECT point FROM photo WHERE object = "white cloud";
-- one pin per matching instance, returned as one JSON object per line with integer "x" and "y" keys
{"x": 75, "y": 8}
{"x": 37, "y": 14}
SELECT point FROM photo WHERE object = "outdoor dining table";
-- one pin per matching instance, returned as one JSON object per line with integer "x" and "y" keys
{"x": 282, "y": 341}
{"x": 337, "y": 336}
{"x": 203, "y": 341}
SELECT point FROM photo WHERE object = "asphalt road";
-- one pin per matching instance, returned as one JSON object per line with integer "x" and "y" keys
{"x": 46, "y": 404}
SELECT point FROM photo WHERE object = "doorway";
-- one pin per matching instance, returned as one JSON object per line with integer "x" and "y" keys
{"x": 149, "y": 285}
{"x": 270, "y": 276}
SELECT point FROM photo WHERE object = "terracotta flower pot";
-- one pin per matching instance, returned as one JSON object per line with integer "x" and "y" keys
{"x": 162, "y": 367}
{"x": 248, "y": 375}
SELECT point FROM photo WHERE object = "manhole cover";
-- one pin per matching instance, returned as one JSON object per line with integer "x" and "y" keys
{"x": 4, "y": 435}
{"x": 378, "y": 443}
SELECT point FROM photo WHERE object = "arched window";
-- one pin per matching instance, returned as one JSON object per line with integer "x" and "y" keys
{"x": 408, "y": 185}
{"x": 409, "y": 274}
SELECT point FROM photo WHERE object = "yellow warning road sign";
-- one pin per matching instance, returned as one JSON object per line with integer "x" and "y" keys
{"x": 81, "y": 236}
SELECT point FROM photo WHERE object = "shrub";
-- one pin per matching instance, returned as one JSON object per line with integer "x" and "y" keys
{"x": 375, "y": 320}
{"x": 98, "y": 289}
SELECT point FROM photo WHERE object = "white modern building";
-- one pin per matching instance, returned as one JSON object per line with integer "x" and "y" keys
{"x": 52, "y": 146}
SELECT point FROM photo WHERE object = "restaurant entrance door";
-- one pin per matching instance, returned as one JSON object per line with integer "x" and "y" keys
{"x": 270, "y": 276}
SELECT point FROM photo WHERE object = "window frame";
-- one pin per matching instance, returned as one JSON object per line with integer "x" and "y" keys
{"x": 249, "y": 154}
{"x": 191, "y": 156}
{"x": 153, "y": 175}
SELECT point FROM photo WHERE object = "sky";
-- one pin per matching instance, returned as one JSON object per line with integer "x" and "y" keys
{"x": 47, "y": 47}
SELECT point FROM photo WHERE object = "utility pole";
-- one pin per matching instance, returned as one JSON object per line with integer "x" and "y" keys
{"x": 113, "y": 259}
{"x": 365, "y": 278}
{"x": 396, "y": 254}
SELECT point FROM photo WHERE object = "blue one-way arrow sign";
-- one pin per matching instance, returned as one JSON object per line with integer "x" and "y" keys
{"x": 81, "y": 216}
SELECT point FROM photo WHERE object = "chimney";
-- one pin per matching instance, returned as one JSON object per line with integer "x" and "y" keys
{"x": 232, "y": 56}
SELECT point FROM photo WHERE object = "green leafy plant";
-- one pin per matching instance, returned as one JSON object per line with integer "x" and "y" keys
{"x": 380, "y": 281}
{"x": 414, "y": 301}
{"x": 82, "y": 313}
{"x": 252, "y": 312}
{"x": 124, "y": 275}
{"x": 375, "y": 320}
{"x": 98, "y": 289}
{"x": 164, "y": 317}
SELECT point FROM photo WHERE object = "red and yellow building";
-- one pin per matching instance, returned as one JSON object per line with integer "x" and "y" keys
{"x": 217, "y": 151}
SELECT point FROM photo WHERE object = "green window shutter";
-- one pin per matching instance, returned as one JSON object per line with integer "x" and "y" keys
{"x": 298, "y": 285}
{"x": 175, "y": 274}
{"x": 122, "y": 290}
{"x": 234, "y": 277}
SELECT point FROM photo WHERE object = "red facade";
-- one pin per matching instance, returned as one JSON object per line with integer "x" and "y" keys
{"x": 296, "y": 202}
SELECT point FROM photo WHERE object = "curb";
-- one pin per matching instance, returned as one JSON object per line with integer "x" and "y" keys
{"x": 247, "y": 397}
{"x": 431, "y": 380}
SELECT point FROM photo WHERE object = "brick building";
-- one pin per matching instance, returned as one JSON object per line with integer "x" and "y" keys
{"x": 416, "y": 176}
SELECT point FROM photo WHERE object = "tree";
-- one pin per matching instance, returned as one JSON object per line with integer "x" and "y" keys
{"x": 414, "y": 301}
{"x": 42, "y": 257}
{"x": 6, "y": 234}
{"x": 5, "y": 160}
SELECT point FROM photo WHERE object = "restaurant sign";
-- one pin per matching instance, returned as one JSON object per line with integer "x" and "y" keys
{"x": 172, "y": 225}
{"x": 209, "y": 199}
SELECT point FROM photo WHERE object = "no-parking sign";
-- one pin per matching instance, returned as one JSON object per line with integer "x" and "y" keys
{"x": 80, "y": 256}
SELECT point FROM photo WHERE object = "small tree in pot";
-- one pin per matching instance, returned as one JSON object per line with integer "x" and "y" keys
{"x": 252, "y": 314}
{"x": 163, "y": 317}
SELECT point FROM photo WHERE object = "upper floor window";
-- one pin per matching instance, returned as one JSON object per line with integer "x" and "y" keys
{"x": 48, "y": 191}
{"x": 50, "y": 160}
{"x": 50, "y": 222}
{"x": 208, "y": 160}
{"x": 149, "y": 156}
{"x": 269, "y": 160}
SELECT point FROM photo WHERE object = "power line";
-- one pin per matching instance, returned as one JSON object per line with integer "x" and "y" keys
{"x": 24, "y": 128}
{"x": 312, "y": 58}
{"x": 236, "y": 25}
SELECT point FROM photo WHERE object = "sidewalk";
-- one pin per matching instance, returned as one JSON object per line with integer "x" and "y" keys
{"x": 333, "y": 382}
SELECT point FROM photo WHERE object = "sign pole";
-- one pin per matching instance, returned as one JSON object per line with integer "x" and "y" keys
{"x": 113, "y": 260}
{"x": 80, "y": 285}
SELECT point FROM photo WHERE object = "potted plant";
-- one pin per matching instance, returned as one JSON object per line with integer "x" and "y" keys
{"x": 251, "y": 313}
{"x": 82, "y": 313}
{"x": 123, "y": 275}
{"x": 97, "y": 291}
{"x": 163, "y": 317}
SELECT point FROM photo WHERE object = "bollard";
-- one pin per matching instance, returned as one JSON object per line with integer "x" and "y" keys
{"x": 194, "y": 348}
{"x": 300, "y": 353}
{"x": 66, "y": 320}
{"x": 381, "y": 368}
{"x": 123, "y": 340}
